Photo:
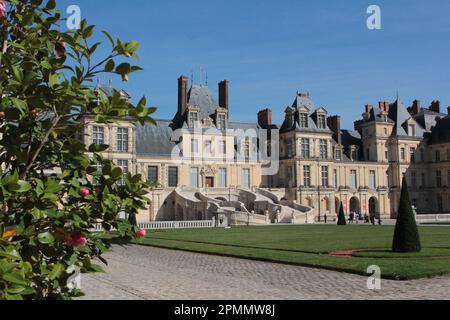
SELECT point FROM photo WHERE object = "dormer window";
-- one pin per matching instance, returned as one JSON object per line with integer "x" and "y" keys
{"x": 221, "y": 121}
{"x": 303, "y": 120}
{"x": 412, "y": 130}
{"x": 193, "y": 119}
{"x": 321, "y": 121}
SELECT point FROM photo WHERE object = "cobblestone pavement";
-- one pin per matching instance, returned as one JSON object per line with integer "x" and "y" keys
{"x": 138, "y": 272}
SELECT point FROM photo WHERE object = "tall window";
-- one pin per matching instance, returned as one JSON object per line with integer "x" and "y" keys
{"x": 413, "y": 179}
{"x": 440, "y": 204}
{"x": 412, "y": 154}
{"x": 338, "y": 155}
{"x": 448, "y": 181}
{"x": 290, "y": 148}
{"x": 194, "y": 146}
{"x": 424, "y": 180}
{"x": 221, "y": 121}
{"x": 321, "y": 121}
{"x": 246, "y": 178}
{"x": 303, "y": 120}
{"x": 438, "y": 155}
{"x": 353, "y": 179}
{"x": 335, "y": 178}
{"x": 402, "y": 154}
{"x": 222, "y": 178}
{"x": 305, "y": 148}
{"x": 194, "y": 178}
{"x": 152, "y": 173}
{"x": 123, "y": 164}
{"x": 412, "y": 130}
{"x": 438, "y": 178}
{"x": 372, "y": 179}
{"x": 122, "y": 139}
{"x": 323, "y": 149}
{"x": 306, "y": 176}
{"x": 208, "y": 147}
{"x": 193, "y": 119}
{"x": 173, "y": 177}
{"x": 223, "y": 147}
{"x": 98, "y": 135}
{"x": 325, "y": 177}
{"x": 246, "y": 149}
{"x": 422, "y": 155}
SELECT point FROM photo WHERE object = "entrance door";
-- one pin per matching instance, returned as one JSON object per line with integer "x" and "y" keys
{"x": 209, "y": 182}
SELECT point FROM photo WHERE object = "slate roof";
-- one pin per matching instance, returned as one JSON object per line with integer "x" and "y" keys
{"x": 441, "y": 132}
{"x": 200, "y": 96}
{"x": 399, "y": 114}
{"x": 299, "y": 103}
{"x": 375, "y": 115}
{"x": 427, "y": 118}
{"x": 154, "y": 140}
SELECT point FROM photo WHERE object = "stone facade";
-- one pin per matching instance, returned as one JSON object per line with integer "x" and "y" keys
{"x": 205, "y": 169}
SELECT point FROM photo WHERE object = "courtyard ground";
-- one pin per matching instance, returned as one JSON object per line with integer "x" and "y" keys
{"x": 342, "y": 248}
{"x": 148, "y": 273}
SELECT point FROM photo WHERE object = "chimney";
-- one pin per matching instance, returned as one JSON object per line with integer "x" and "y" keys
{"x": 182, "y": 94}
{"x": 265, "y": 118}
{"x": 369, "y": 108}
{"x": 223, "y": 94}
{"x": 416, "y": 107}
{"x": 436, "y": 106}
{"x": 384, "y": 106}
{"x": 334, "y": 123}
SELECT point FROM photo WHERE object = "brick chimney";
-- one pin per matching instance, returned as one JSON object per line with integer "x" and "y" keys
{"x": 223, "y": 94}
{"x": 416, "y": 107}
{"x": 369, "y": 108}
{"x": 384, "y": 106}
{"x": 265, "y": 118}
{"x": 334, "y": 123}
{"x": 436, "y": 106}
{"x": 182, "y": 94}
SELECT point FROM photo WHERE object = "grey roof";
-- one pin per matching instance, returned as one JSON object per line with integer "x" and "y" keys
{"x": 428, "y": 118}
{"x": 441, "y": 132}
{"x": 201, "y": 97}
{"x": 399, "y": 114}
{"x": 154, "y": 140}
{"x": 242, "y": 125}
{"x": 375, "y": 115}
{"x": 300, "y": 102}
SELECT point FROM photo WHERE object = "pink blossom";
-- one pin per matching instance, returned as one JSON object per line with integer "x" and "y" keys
{"x": 76, "y": 239}
{"x": 141, "y": 233}
{"x": 85, "y": 192}
{"x": 2, "y": 9}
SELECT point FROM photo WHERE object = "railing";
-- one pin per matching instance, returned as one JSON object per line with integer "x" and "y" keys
{"x": 426, "y": 218}
{"x": 165, "y": 225}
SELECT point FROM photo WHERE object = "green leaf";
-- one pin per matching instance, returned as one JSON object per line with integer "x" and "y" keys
{"x": 110, "y": 65}
{"x": 46, "y": 238}
{"x": 16, "y": 277}
{"x": 23, "y": 186}
{"x": 58, "y": 269}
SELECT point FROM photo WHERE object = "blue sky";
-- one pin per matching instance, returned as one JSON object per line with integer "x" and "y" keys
{"x": 270, "y": 49}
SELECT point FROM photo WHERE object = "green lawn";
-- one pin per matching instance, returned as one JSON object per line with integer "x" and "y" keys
{"x": 311, "y": 245}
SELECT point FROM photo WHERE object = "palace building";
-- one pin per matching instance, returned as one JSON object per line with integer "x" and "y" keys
{"x": 209, "y": 167}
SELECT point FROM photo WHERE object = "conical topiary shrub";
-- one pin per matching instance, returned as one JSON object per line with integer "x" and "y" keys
{"x": 341, "y": 219}
{"x": 406, "y": 236}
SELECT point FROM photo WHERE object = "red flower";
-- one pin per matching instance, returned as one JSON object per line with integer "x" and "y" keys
{"x": 141, "y": 233}
{"x": 85, "y": 193}
{"x": 2, "y": 115}
{"x": 61, "y": 49}
{"x": 2, "y": 9}
{"x": 76, "y": 239}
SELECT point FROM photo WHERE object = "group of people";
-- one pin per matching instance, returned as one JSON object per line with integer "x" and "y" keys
{"x": 357, "y": 217}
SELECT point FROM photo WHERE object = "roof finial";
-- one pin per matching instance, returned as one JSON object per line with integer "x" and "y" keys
{"x": 192, "y": 78}
{"x": 110, "y": 82}
{"x": 206, "y": 78}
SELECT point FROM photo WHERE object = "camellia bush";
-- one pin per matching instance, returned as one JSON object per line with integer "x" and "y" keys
{"x": 54, "y": 189}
